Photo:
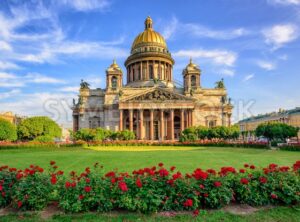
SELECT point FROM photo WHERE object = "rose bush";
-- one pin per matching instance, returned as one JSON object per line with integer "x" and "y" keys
{"x": 150, "y": 189}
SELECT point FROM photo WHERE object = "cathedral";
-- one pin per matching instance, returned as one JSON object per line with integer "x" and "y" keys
{"x": 150, "y": 103}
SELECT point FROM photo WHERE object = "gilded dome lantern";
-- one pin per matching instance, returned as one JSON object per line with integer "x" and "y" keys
{"x": 150, "y": 61}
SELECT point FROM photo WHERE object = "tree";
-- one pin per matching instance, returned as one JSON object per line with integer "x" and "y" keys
{"x": 276, "y": 131}
{"x": 8, "y": 131}
{"x": 33, "y": 127}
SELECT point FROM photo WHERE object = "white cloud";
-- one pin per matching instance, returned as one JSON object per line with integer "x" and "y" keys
{"x": 9, "y": 94}
{"x": 278, "y": 35}
{"x": 69, "y": 89}
{"x": 248, "y": 77}
{"x": 227, "y": 72}
{"x": 171, "y": 28}
{"x": 220, "y": 57}
{"x": 54, "y": 105}
{"x": 284, "y": 2}
{"x": 8, "y": 65}
{"x": 9, "y": 80}
{"x": 38, "y": 78}
{"x": 50, "y": 44}
{"x": 85, "y": 5}
{"x": 200, "y": 31}
{"x": 266, "y": 65}
{"x": 5, "y": 46}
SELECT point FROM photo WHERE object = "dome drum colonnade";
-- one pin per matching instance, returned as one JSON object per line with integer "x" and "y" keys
{"x": 150, "y": 58}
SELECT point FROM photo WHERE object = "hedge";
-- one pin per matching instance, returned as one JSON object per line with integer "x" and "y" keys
{"x": 149, "y": 189}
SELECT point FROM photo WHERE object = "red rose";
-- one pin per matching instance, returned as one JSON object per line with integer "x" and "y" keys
{"x": 113, "y": 180}
{"x": 246, "y": 165}
{"x": 87, "y": 180}
{"x": 201, "y": 186}
{"x": 123, "y": 186}
{"x": 172, "y": 168}
{"x": 3, "y": 194}
{"x": 163, "y": 172}
{"x": 199, "y": 174}
{"x": 87, "y": 189}
{"x": 244, "y": 181}
{"x": 1, "y": 188}
{"x": 274, "y": 196}
{"x": 252, "y": 167}
{"x": 160, "y": 164}
{"x": 188, "y": 203}
{"x": 217, "y": 184}
{"x": 138, "y": 183}
{"x": 67, "y": 184}
{"x": 53, "y": 179}
{"x": 52, "y": 162}
{"x": 196, "y": 212}
{"x": 80, "y": 197}
{"x": 263, "y": 180}
{"x": 19, "y": 176}
{"x": 242, "y": 171}
{"x": 20, "y": 204}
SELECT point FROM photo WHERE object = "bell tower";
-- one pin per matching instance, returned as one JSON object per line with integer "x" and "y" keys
{"x": 114, "y": 78}
{"x": 191, "y": 77}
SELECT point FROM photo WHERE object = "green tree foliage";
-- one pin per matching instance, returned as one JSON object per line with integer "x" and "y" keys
{"x": 33, "y": 127}
{"x": 8, "y": 131}
{"x": 276, "y": 131}
{"x": 203, "y": 132}
{"x": 101, "y": 134}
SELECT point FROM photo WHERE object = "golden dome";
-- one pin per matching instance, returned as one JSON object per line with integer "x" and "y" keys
{"x": 114, "y": 66}
{"x": 149, "y": 36}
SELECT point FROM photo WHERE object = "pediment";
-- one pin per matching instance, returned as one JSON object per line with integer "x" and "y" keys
{"x": 158, "y": 95}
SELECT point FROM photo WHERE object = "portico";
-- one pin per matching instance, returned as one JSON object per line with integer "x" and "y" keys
{"x": 156, "y": 124}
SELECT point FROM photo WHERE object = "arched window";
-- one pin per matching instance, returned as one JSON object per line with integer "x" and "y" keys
{"x": 193, "y": 81}
{"x": 114, "y": 82}
{"x": 211, "y": 123}
{"x": 151, "y": 75}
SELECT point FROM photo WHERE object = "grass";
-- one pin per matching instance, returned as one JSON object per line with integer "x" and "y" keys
{"x": 185, "y": 159}
{"x": 284, "y": 214}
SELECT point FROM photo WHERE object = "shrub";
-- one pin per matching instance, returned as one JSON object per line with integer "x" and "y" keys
{"x": 33, "y": 127}
{"x": 32, "y": 191}
{"x": 126, "y": 135}
{"x": 149, "y": 189}
{"x": 8, "y": 131}
{"x": 44, "y": 139}
{"x": 202, "y": 132}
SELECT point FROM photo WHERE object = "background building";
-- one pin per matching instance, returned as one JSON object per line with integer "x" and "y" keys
{"x": 13, "y": 118}
{"x": 149, "y": 103}
{"x": 290, "y": 117}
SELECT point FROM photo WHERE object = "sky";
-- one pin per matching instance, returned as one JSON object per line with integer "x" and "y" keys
{"x": 47, "y": 47}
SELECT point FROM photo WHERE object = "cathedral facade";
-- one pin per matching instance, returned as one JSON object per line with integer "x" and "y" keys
{"x": 149, "y": 103}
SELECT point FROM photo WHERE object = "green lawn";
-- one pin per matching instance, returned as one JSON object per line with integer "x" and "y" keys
{"x": 129, "y": 158}
{"x": 280, "y": 214}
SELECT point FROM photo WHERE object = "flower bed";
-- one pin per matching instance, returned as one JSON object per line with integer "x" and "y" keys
{"x": 208, "y": 143}
{"x": 146, "y": 190}
{"x": 291, "y": 147}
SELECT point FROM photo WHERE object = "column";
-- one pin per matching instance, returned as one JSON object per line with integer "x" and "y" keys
{"x": 192, "y": 117}
{"x": 172, "y": 124}
{"x": 131, "y": 120}
{"x": 151, "y": 124}
{"x": 141, "y": 125}
{"x": 121, "y": 120}
{"x": 162, "y": 125}
{"x": 141, "y": 71}
{"x": 147, "y": 74}
{"x": 181, "y": 120}
{"x": 187, "y": 118}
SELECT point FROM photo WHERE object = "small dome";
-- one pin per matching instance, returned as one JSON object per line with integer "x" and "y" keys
{"x": 192, "y": 65}
{"x": 149, "y": 36}
{"x": 114, "y": 67}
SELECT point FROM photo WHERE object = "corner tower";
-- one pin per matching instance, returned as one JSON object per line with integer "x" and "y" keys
{"x": 150, "y": 62}
{"x": 191, "y": 77}
{"x": 114, "y": 78}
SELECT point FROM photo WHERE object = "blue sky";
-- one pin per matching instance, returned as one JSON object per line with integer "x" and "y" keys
{"x": 47, "y": 47}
